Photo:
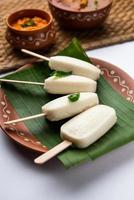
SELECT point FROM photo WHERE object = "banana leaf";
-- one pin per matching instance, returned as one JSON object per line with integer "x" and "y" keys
{"x": 27, "y": 100}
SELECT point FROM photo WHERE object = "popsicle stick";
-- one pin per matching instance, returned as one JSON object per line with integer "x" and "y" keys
{"x": 25, "y": 119}
{"x": 23, "y": 82}
{"x": 53, "y": 152}
{"x": 35, "y": 54}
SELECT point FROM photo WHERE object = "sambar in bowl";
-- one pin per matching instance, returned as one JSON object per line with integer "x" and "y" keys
{"x": 80, "y": 14}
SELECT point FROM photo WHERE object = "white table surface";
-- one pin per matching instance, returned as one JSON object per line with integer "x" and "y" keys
{"x": 110, "y": 177}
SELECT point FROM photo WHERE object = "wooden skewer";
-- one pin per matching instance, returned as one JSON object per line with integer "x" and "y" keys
{"x": 35, "y": 54}
{"x": 28, "y": 82}
{"x": 53, "y": 152}
{"x": 23, "y": 82}
{"x": 25, "y": 119}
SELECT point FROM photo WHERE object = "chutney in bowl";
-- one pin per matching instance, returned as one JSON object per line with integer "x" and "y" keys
{"x": 30, "y": 29}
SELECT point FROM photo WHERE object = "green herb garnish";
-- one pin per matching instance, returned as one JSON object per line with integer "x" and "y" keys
{"x": 96, "y": 3}
{"x": 60, "y": 74}
{"x": 28, "y": 23}
{"x": 74, "y": 97}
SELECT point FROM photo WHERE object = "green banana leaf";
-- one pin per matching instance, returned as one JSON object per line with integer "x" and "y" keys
{"x": 27, "y": 100}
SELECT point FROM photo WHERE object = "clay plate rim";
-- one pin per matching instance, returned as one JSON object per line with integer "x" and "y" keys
{"x": 118, "y": 79}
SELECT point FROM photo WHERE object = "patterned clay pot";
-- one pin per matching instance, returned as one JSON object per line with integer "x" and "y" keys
{"x": 79, "y": 19}
{"x": 32, "y": 40}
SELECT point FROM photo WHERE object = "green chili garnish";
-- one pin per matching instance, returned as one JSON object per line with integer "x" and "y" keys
{"x": 28, "y": 23}
{"x": 60, "y": 74}
{"x": 74, "y": 97}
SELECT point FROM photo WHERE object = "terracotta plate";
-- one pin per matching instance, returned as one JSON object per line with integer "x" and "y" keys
{"x": 19, "y": 133}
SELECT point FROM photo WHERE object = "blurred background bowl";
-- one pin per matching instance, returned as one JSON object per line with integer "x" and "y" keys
{"x": 34, "y": 39}
{"x": 71, "y": 19}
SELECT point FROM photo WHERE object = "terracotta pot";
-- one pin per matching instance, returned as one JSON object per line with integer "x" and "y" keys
{"x": 79, "y": 19}
{"x": 32, "y": 40}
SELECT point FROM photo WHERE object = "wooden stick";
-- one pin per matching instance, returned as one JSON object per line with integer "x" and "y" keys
{"x": 35, "y": 54}
{"x": 25, "y": 119}
{"x": 23, "y": 82}
{"x": 52, "y": 152}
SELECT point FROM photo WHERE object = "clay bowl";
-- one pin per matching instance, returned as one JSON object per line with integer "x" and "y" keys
{"x": 34, "y": 39}
{"x": 78, "y": 20}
